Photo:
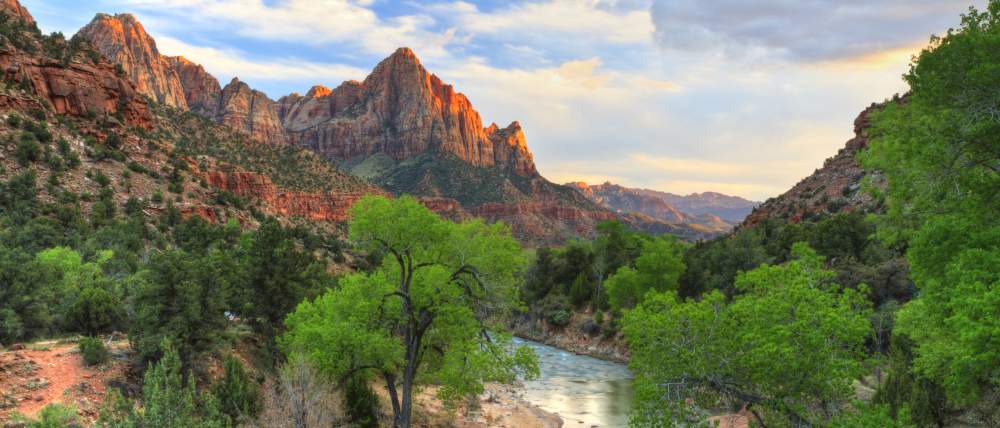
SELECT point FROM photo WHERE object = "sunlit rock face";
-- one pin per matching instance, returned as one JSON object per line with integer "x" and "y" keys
{"x": 124, "y": 41}
{"x": 401, "y": 110}
{"x": 202, "y": 91}
{"x": 14, "y": 9}
{"x": 250, "y": 111}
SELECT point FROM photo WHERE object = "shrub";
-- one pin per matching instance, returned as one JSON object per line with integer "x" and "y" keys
{"x": 27, "y": 151}
{"x": 237, "y": 394}
{"x": 93, "y": 350}
{"x": 95, "y": 311}
{"x": 361, "y": 403}
{"x": 51, "y": 416}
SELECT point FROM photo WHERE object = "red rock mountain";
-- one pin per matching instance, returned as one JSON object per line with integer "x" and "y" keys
{"x": 401, "y": 128}
{"x": 124, "y": 41}
{"x": 401, "y": 110}
{"x": 836, "y": 187}
{"x": 13, "y": 8}
{"x": 179, "y": 83}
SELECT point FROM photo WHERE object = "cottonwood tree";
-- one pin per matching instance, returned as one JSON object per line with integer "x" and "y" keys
{"x": 426, "y": 315}
{"x": 791, "y": 344}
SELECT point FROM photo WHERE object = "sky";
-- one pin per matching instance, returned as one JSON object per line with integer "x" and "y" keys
{"x": 734, "y": 96}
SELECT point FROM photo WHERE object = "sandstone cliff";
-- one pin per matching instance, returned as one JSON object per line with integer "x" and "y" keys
{"x": 124, "y": 41}
{"x": 401, "y": 110}
{"x": 201, "y": 90}
{"x": 250, "y": 111}
{"x": 836, "y": 187}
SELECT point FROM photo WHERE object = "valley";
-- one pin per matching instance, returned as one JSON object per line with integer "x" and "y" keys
{"x": 175, "y": 252}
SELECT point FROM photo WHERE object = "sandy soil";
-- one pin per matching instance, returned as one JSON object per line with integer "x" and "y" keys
{"x": 500, "y": 406}
{"x": 54, "y": 372}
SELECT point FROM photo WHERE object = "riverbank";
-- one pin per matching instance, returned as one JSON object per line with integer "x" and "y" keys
{"x": 500, "y": 406}
{"x": 580, "y": 336}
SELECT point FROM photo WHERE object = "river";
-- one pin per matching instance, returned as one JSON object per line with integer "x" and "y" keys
{"x": 584, "y": 391}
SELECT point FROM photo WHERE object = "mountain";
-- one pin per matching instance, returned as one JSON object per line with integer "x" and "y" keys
{"x": 179, "y": 83}
{"x": 401, "y": 128}
{"x": 708, "y": 213}
{"x": 835, "y": 187}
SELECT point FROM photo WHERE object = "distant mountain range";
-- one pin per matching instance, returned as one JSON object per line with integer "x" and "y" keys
{"x": 709, "y": 212}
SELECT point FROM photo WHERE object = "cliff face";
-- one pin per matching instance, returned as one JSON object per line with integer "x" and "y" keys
{"x": 201, "y": 90}
{"x": 250, "y": 111}
{"x": 179, "y": 83}
{"x": 13, "y": 8}
{"x": 834, "y": 188}
{"x": 123, "y": 40}
{"x": 401, "y": 110}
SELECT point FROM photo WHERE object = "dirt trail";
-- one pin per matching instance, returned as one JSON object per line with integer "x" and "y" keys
{"x": 53, "y": 372}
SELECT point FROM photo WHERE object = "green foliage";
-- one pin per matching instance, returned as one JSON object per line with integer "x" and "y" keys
{"x": 426, "y": 314}
{"x": 658, "y": 268}
{"x": 236, "y": 392}
{"x": 938, "y": 152}
{"x": 93, "y": 350}
{"x": 168, "y": 401}
{"x": 27, "y": 151}
{"x": 789, "y": 341}
{"x": 872, "y": 416}
{"x": 361, "y": 403}
{"x": 51, "y": 416}
{"x": 180, "y": 297}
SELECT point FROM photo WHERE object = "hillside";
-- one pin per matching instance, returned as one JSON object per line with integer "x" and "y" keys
{"x": 706, "y": 213}
{"x": 836, "y": 187}
{"x": 401, "y": 128}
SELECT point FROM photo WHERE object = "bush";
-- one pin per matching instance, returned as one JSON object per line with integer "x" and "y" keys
{"x": 95, "y": 311}
{"x": 93, "y": 350}
{"x": 237, "y": 394}
{"x": 51, "y": 416}
{"x": 27, "y": 151}
{"x": 361, "y": 403}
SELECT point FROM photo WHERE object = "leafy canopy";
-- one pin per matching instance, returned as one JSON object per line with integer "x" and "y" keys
{"x": 792, "y": 339}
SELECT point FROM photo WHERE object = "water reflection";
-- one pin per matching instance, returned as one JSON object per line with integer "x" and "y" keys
{"x": 585, "y": 391}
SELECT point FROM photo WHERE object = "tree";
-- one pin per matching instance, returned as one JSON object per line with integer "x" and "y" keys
{"x": 237, "y": 394}
{"x": 789, "y": 342}
{"x": 659, "y": 267}
{"x": 426, "y": 315}
{"x": 182, "y": 298}
{"x": 277, "y": 275}
{"x": 938, "y": 152}
{"x": 169, "y": 400}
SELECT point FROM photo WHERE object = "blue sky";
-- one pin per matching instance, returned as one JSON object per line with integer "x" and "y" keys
{"x": 741, "y": 97}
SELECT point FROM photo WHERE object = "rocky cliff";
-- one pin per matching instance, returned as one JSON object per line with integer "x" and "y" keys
{"x": 124, "y": 41}
{"x": 180, "y": 83}
{"x": 63, "y": 78}
{"x": 250, "y": 111}
{"x": 833, "y": 188}
{"x": 401, "y": 110}
{"x": 14, "y": 9}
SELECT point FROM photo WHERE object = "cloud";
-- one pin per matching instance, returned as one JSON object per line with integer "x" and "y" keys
{"x": 801, "y": 30}
{"x": 309, "y": 22}
{"x": 224, "y": 63}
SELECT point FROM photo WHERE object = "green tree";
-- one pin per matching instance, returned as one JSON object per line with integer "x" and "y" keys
{"x": 789, "y": 342}
{"x": 658, "y": 268}
{"x": 236, "y": 392}
{"x": 938, "y": 152}
{"x": 180, "y": 297}
{"x": 426, "y": 315}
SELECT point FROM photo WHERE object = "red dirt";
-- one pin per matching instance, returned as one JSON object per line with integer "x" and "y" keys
{"x": 66, "y": 379}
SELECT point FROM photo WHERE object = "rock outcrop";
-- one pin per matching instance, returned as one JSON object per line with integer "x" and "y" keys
{"x": 250, "y": 111}
{"x": 201, "y": 90}
{"x": 124, "y": 41}
{"x": 834, "y": 188}
{"x": 76, "y": 88}
{"x": 14, "y": 9}
{"x": 401, "y": 110}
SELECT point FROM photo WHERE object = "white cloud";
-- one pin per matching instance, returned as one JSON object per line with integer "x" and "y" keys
{"x": 808, "y": 30}
{"x": 224, "y": 63}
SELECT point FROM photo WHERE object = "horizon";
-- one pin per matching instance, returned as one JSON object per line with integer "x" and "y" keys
{"x": 640, "y": 74}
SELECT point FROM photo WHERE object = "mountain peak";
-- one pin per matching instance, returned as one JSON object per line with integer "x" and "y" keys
{"x": 14, "y": 8}
{"x": 122, "y": 40}
{"x": 318, "y": 91}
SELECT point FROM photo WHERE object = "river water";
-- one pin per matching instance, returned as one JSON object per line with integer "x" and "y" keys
{"x": 584, "y": 391}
